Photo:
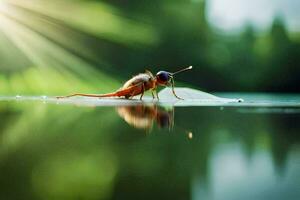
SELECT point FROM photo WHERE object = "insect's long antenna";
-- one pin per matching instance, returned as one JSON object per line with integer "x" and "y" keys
{"x": 182, "y": 70}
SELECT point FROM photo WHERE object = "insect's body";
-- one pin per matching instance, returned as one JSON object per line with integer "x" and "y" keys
{"x": 138, "y": 84}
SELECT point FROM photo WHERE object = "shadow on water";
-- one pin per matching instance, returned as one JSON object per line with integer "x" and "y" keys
{"x": 146, "y": 151}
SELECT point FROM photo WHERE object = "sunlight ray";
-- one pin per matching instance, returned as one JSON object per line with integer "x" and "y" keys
{"x": 48, "y": 57}
{"x": 138, "y": 34}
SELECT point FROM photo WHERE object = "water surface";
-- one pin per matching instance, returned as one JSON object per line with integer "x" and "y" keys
{"x": 70, "y": 150}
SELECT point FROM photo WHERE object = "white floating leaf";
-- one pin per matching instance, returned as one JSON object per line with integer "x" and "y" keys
{"x": 192, "y": 97}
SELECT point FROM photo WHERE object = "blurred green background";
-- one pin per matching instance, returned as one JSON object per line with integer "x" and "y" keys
{"x": 59, "y": 46}
{"x": 51, "y": 150}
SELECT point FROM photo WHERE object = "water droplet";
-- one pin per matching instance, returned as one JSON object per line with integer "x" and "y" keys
{"x": 190, "y": 135}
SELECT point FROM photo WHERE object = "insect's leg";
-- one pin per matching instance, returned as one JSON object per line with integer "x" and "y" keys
{"x": 143, "y": 90}
{"x": 156, "y": 94}
{"x": 152, "y": 92}
{"x": 172, "y": 82}
{"x": 131, "y": 95}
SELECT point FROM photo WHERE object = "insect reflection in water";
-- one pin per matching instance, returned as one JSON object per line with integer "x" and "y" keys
{"x": 144, "y": 116}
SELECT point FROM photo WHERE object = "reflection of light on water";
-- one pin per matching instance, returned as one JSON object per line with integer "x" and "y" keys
{"x": 200, "y": 190}
{"x": 190, "y": 135}
{"x": 233, "y": 176}
{"x": 270, "y": 110}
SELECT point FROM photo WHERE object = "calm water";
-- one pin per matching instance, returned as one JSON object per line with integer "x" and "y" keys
{"x": 70, "y": 151}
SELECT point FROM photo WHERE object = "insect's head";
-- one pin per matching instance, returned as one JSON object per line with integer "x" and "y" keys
{"x": 163, "y": 77}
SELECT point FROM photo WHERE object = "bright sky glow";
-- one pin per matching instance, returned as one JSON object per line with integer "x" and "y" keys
{"x": 234, "y": 14}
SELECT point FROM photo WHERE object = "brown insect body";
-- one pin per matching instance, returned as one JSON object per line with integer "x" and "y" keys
{"x": 138, "y": 84}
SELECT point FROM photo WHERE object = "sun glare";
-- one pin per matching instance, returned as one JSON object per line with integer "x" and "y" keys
{"x": 31, "y": 41}
{"x": 3, "y": 8}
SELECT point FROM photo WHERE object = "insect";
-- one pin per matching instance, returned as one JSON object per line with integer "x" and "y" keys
{"x": 140, "y": 83}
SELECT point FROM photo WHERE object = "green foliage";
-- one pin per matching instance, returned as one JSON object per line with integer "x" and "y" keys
{"x": 96, "y": 45}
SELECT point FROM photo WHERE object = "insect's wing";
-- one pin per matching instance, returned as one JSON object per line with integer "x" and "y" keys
{"x": 129, "y": 90}
{"x": 149, "y": 73}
